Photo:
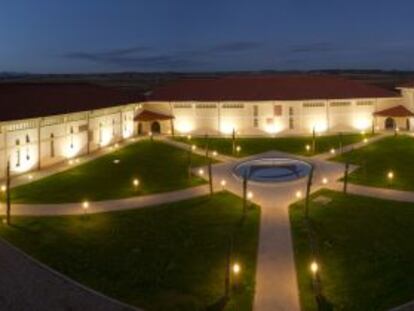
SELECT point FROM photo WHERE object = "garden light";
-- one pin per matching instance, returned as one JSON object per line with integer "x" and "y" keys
{"x": 314, "y": 267}
{"x": 116, "y": 145}
{"x": 250, "y": 195}
{"x": 3, "y": 188}
{"x": 135, "y": 182}
{"x": 223, "y": 183}
{"x": 307, "y": 147}
{"x": 189, "y": 137}
{"x": 324, "y": 180}
{"x": 193, "y": 147}
{"x": 70, "y": 162}
{"x": 365, "y": 140}
{"x": 390, "y": 175}
{"x": 332, "y": 151}
{"x": 200, "y": 171}
{"x": 238, "y": 149}
{"x": 85, "y": 205}
{"x": 30, "y": 177}
{"x": 116, "y": 161}
{"x": 298, "y": 194}
{"x": 215, "y": 153}
{"x": 236, "y": 268}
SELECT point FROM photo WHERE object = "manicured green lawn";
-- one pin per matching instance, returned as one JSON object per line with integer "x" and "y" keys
{"x": 377, "y": 159}
{"x": 159, "y": 168}
{"x": 366, "y": 252}
{"x": 171, "y": 257}
{"x": 294, "y": 144}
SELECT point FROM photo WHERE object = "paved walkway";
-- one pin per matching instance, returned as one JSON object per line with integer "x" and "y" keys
{"x": 27, "y": 284}
{"x": 107, "y": 206}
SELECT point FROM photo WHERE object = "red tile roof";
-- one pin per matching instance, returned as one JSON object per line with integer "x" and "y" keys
{"x": 397, "y": 111}
{"x": 29, "y": 100}
{"x": 279, "y": 87}
{"x": 148, "y": 115}
{"x": 409, "y": 85}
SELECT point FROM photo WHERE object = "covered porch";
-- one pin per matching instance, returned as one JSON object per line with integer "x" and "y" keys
{"x": 398, "y": 117}
{"x": 155, "y": 122}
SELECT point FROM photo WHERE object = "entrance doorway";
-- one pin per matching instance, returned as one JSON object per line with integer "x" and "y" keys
{"x": 389, "y": 123}
{"x": 156, "y": 127}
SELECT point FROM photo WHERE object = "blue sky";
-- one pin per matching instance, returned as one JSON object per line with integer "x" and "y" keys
{"x": 62, "y": 36}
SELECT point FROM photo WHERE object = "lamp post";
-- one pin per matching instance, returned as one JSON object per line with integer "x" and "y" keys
{"x": 210, "y": 173}
{"x": 340, "y": 143}
{"x": 245, "y": 193}
{"x": 308, "y": 189}
{"x": 233, "y": 141}
{"x": 190, "y": 151}
{"x": 8, "y": 200}
{"x": 313, "y": 140}
{"x": 346, "y": 176}
{"x": 207, "y": 140}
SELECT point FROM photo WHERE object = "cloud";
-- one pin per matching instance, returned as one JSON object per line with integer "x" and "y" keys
{"x": 148, "y": 58}
{"x": 315, "y": 47}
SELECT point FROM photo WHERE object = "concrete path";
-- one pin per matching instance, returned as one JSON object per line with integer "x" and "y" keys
{"x": 107, "y": 206}
{"x": 27, "y": 284}
{"x": 276, "y": 283}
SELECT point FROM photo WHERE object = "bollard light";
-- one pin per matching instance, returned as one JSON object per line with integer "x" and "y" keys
{"x": 223, "y": 183}
{"x": 250, "y": 195}
{"x": 324, "y": 180}
{"x": 193, "y": 147}
{"x": 236, "y": 268}
{"x": 214, "y": 153}
{"x": 200, "y": 172}
{"x": 135, "y": 182}
{"x": 390, "y": 175}
{"x": 85, "y": 205}
{"x": 298, "y": 194}
{"x": 332, "y": 151}
{"x": 307, "y": 147}
{"x": 314, "y": 267}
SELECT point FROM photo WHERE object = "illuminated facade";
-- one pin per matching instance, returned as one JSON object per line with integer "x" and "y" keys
{"x": 61, "y": 129}
{"x": 277, "y": 105}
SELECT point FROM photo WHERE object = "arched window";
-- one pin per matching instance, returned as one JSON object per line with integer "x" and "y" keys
{"x": 17, "y": 153}
{"x": 100, "y": 132}
{"x": 52, "y": 145}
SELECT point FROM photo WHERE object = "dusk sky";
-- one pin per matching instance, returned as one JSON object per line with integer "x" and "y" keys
{"x": 62, "y": 36}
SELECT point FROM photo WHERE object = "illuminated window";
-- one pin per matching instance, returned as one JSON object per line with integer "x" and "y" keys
{"x": 313, "y": 105}
{"x": 27, "y": 139}
{"x": 18, "y": 153}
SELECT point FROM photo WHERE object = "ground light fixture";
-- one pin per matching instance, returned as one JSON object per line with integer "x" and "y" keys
{"x": 250, "y": 195}
{"x": 189, "y": 137}
{"x": 85, "y": 206}
{"x": 332, "y": 151}
{"x": 70, "y": 162}
{"x": 236, "y": 268}
{"x": 135, "y": 182}
{"x": 238, "y": 149}
{"x": 193, "y": 147}
{"x": 201, "y": 172}
{"x": 324, "y": 180}
{"x": 223, "y": 183}
{"x": 307, "y": 147}
{"x": 30, "y": 177}
{"x": 365, "y": 140}
{"x": 3, "y": 188}
{"x": 214, "y": 153}
{"x": 390, "y": 175}
{"x": 298, "y": 194}
{"x": 314, "y": 267}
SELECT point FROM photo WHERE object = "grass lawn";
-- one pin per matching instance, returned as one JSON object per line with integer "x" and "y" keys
{"x": 366, "y": 253}
{"x": 170, "y": 257}
{"x": 293, "y": 144}
{"x": 377, "y": 159}
{"x": 159, "y": 168}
